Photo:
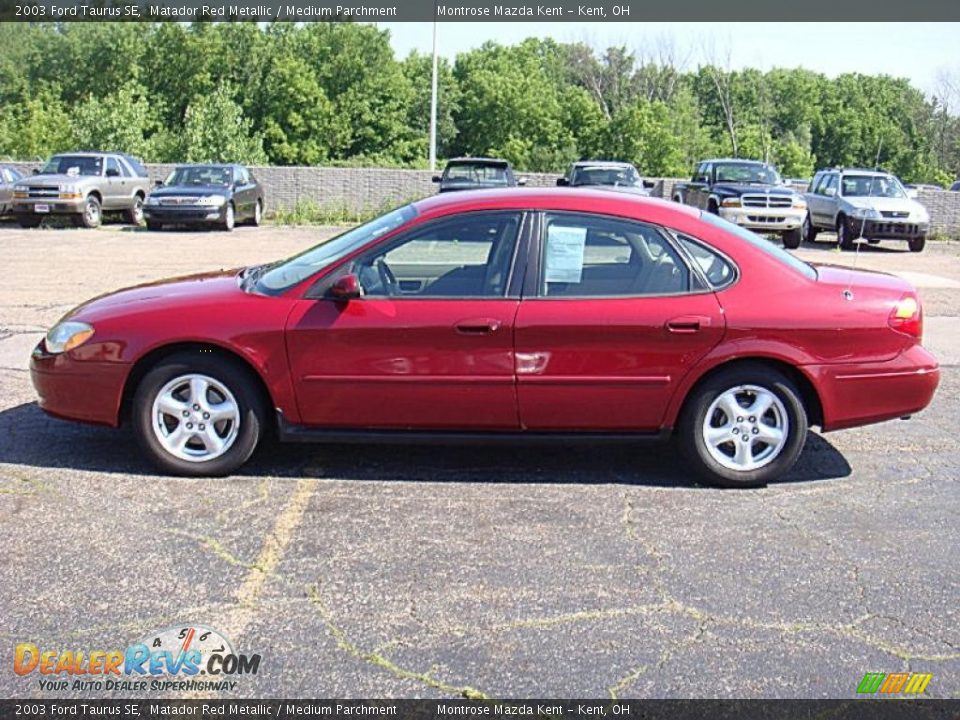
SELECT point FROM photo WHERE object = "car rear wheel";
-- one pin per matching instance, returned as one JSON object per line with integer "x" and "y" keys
{"x": 917, "y": 244}
{"x": 743, "y": 427}
{"x": 28, "y": 221}
{"x": 257, "y": 214}
{"x": 809, "y": 231}
{"x": 844, "y": 238}
{"x": 92, "y": 215}
{"x": 229, "y": 218}
{"x": 198, "y": 415}
{"x": 134, "y": 215}
{"x": 792, "y": 239}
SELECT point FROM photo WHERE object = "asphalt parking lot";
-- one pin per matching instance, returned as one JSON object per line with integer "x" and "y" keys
{"x": 369, "y": 571}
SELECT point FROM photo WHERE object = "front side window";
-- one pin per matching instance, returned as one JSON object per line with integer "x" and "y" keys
{"x": 590, "y": 256}
{"x": 469, "y": 256}
{"x": 829, "y": 181}
{"x": 113, "y": 167}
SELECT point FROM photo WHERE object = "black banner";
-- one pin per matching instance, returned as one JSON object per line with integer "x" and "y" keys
{"x": 859, "y": 709}
{"x": 476, "y": 11}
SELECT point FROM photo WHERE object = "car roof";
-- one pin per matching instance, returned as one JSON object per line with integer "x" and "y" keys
{"x": 574, "y": 200}
{"x": 603, "y": 163}
{"x": 744, "y": 161}
{"x": 858, "y": 171}
{"x": 211, "y": 165}
{"x": 487, "y": 160}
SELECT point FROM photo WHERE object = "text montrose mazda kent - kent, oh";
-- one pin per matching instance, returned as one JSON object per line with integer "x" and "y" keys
{"x": 502, "y": 314}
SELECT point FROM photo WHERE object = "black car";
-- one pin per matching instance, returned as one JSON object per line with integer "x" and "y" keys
{"x": 221, "y": 195}
{"x": 470, "y": 173}
{"x": 955, "y": 187}
{"x": 606, "y": 174}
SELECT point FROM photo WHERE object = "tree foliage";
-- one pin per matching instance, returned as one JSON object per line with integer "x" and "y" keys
{"x": 334, "y": 93}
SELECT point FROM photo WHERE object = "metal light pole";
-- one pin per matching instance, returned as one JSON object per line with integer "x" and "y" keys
{"x": 433, "y": 104}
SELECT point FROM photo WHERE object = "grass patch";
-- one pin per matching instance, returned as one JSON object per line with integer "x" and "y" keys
{"x": 308, "y": 212}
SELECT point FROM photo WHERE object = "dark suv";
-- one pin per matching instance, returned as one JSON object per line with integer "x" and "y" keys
{"x": 476, "y": 173}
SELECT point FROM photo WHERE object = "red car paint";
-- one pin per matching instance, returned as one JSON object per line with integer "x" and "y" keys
{"x": 537, "y": 363}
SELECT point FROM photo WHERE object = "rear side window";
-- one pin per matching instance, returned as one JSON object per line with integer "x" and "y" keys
{"x": 774, "y": 251}
{"x": 718, "y": 271}
{"x": 591, "y": 256}
{"x": 138, "y": 169}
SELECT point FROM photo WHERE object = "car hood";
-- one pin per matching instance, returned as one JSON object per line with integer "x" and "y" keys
{"x": 741, "y": 188}
{"x": 883, "y": 203}
{"x": 55, "y": 180}
{"x": 169, "y": 294}
{"x": 195, "y": 190}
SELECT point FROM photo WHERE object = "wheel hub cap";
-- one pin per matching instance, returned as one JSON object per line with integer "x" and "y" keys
{"x": 195, "y": 418}
{"x": 746, "y": 428}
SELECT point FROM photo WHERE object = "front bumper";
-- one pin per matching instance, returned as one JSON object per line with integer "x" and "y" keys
{"x": 185, "y": 214}
{"x": 886, "y": 229}
{"x": 863, "y": 393}
{"x": 88, "y": 390}
{"x": 47, "y": 207}
{"x": 765, "y": 219}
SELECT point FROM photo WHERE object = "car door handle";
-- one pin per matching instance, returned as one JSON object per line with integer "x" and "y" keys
{"x": 687, "y": 324}
{"x": 482, "y": 326}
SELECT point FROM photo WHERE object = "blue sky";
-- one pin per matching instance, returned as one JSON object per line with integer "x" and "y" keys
{"x": 914, "y": 50}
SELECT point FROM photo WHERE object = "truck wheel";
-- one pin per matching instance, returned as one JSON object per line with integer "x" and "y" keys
{"x": 844, "y": 239}
{"x": 134, "y": 215}
{"x": 809, "y": 231}
{"x": 29, "y": 221}
{"x": 917, "y": 244}
{"x": 92, "y": 215}
{"x": 792, "y": 238}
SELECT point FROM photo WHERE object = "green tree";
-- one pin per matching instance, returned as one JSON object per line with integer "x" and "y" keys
{"x": 216, "y": 131}
{"x": 122, "y": 121}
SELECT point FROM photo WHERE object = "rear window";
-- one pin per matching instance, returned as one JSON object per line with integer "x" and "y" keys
{"x": 774, "y": 251}
{"x": 486, "y": 173}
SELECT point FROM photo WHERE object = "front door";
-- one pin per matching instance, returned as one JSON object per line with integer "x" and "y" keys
{"x": 613, "y": 322}
{"x": 430, "y": 343}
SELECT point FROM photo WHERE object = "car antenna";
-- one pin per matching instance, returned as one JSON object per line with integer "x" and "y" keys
{"x": 848, "y": 293}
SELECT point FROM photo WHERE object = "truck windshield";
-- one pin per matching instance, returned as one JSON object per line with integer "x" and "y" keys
{"x": 73, "y": 165}
{"x": 747, "y": 173}
{"x": 287, "y": 273}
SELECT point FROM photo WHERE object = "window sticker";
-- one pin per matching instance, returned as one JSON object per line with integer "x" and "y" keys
{"x": 565, "y": 248}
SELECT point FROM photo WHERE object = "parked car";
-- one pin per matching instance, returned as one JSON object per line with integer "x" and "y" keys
{"x": 471, "y": 173}
{"x": 955, "y": 187}
{"x": 605, "y": 174}
{"x": 219, "y": 195}
{"x": 9, "y": 176}
{"x": 476, "y": 315}
{"x": 747, "y": 193}
{"x": 83, "y": 186}
{"x": 858, "y": 203}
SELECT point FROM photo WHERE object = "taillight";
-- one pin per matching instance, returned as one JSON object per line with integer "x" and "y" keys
{"x": 907, "y": 316}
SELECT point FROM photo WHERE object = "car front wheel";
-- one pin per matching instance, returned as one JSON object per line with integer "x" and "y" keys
{"x": 917, "y": 244}
{"x": 844, "y": 237}
{"x": 92, "y": 215}
{"x": 809, "y": 231}
{"x": 229, "y": 217}
{"x": 743, "y": 427}
{"x": 134, "y": 215}
{"x": 792, "y": 239}
{"x": 197, "y": 414}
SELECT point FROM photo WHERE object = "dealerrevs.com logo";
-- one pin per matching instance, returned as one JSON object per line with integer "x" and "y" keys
{"x": 894, "y": 683}
{"x": 182, "y": 658}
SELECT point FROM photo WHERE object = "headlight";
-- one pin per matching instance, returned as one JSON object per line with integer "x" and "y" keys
{"x": 70, "y": 192}
{"x": 212, "y": 200}
{"x": 865, "y": 214}
{"x": 20, "y": 191}
{"x": 67, "y": 336}
{"x": 799, "y": 203}
{"x": 153, "y": 200}
{"x": 730, "y": 202}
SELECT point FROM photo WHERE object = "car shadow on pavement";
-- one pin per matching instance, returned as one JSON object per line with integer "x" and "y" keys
{"x": 29, "y": 437}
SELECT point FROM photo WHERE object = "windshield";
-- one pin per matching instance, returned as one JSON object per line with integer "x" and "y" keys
{"x": 475, "y": 173}
{"x": 287, "y": 273}
{"x": 760, "y": 243}
{"x": 207, "y": 175}
{"x": 871, "y": 186}
{"x": 615, "y": 176}
{"x": 747, "y": 173}
{"x": 73, "y": 165}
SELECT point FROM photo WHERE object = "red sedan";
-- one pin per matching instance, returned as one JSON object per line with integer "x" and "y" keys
{"x": 508, "y": 314}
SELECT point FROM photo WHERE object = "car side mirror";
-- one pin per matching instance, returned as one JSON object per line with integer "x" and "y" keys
{"x": 830, "y": 192}
{"x": 703, "y": 179}
{"x": 562, "y": 182}
{"x": 436, "y": 178}
{"x": 649, "y": 184}
{"x": 346, "y": 288}
{"x": 113, "y": 172}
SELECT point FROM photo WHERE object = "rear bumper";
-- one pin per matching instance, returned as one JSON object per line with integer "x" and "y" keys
{"x": 765, "y": 219}
{"x": 87, "y": 391}
{"x": 886, "y": 229}
{"x": 860, "y": 394}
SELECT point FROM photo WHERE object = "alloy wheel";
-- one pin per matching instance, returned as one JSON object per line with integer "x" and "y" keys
{"x": 746, "y": 428}
{"x": 195, "y": 418}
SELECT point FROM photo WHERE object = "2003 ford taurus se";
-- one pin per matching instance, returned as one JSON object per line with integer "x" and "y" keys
{"x": 503, "y": 314}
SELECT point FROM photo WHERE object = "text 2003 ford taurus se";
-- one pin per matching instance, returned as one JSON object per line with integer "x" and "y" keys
{"x": 501, "y": 314}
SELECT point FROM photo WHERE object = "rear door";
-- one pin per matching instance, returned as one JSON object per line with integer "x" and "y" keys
{"x": 611, "y": 321}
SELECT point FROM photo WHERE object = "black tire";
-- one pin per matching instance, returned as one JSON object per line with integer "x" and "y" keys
{"x": 792, "y": 239}
{"x": 29, "y": 221}
{"x": 918, "y": 243}
{"x": 154, "y": 225}
{"x": 226, "y": 371}
{"x": 134, "y": 215}
{"x": 690, "y": 428}
{"x": 92, "y": 215}
{"x": 713, "y": 208}
{"x": 229, "y": 218}
{"x": 809, "y": 231}
{"x": 844, "y": 238}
